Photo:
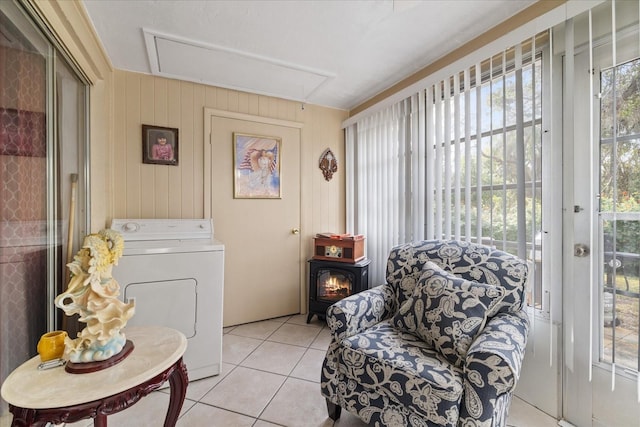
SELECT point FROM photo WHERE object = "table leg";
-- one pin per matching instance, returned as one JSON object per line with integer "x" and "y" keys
{"x": 100, "y": 421}
{"x": 178, "y": 381}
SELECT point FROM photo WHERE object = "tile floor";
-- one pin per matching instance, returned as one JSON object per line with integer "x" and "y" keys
{"x": 271, "y": 374}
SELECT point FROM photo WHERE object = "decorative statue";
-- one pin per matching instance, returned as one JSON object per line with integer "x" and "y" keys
{"x": 93, "y": 294}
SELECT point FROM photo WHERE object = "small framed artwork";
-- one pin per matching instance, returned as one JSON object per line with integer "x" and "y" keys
{"x": 256, "y": 162}
{"x": 159, "y": 145}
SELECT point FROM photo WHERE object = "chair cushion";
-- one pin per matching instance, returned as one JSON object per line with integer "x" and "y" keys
{"x": 405, "y": 369}
{"x": 447, "y": 311}
{"x": 468, "y": 260}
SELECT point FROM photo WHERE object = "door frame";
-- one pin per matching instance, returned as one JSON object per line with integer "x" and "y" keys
{"x": 305, "y": 180}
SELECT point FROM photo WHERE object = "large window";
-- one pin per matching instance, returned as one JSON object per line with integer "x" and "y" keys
{"x": 461, "y": 159}
{"x": 499, "y": 199}
{"x": 497, "y": 155}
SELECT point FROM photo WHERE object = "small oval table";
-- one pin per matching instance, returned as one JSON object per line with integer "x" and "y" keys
{"x": 37, "y": 397}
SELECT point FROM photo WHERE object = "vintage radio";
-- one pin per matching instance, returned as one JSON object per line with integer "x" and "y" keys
{"x": 338, "y": 247}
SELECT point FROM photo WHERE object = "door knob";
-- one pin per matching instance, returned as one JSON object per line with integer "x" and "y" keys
{"x": 295, "y": 231}
{"x": 580, "y": 250}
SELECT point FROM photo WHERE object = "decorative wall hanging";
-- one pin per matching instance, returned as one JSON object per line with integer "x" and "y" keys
{"x": 159, "y": 145}
{"x": 256, "y": 162}
{"x": 328, "y": 164}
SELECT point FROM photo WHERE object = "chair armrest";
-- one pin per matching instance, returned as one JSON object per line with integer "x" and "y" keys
{"x": 358, "y": 312}
{"x": 493, "y": 363}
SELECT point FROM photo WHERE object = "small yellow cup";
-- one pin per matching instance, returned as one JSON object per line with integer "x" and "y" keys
{"x": 51, "y": 345}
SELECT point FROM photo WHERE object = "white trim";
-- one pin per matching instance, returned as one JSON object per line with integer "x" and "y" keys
{"x": 560, "y": 14}
{"x": 251, "y": 118}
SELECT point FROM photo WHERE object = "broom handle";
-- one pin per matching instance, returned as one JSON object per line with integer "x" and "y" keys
{"x": 72, "y": 218}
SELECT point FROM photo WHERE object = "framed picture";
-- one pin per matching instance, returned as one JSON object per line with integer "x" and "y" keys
{"x": 256, "y": 162}
{"x": 159, "y": 145}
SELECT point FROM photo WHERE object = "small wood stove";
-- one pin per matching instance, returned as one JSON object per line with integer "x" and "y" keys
{"x": 330, "y": 281}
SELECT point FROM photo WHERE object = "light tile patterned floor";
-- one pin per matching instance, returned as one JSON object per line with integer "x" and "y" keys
{"x": 271, "y": 375}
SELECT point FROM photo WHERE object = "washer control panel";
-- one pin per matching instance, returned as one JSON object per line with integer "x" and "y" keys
{"x": 163, "y": 229}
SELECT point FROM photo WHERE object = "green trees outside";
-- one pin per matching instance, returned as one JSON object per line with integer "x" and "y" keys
{"x": 620, "y": 152}
{"x": 498, "y": 155}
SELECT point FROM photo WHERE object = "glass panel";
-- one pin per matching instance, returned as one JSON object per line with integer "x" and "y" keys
{"x": 497, "y": 106}
{"x": 606, "y": 104}
{"x": 621, "y": 292}
{"x": 500, "y": 173}
{"x": 498, "y": 179}
{"x": 39, "y": 160}
{"x": 628, "y": 98}
{"x": 619, "y": 208}
{"x": 71, "y": 127}
{"x": 23, "y": 194}
{"x": 333, "y": 285}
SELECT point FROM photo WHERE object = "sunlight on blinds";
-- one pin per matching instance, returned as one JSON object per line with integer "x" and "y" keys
{"x": 592, "y": 166}
{"x": 467, "y": 151}
{"x": 418, "y": 198}
{"x": 478, "y": 154}
{"x": 487, "y": 116}
{"x": 446, "y": 147}
{"x": 381, "y": 145}
{"x": 431, "y": 172}
{"x": 457, "y": 171}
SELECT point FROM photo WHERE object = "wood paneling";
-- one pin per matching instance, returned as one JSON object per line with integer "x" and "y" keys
{"x": 160, "y": 191}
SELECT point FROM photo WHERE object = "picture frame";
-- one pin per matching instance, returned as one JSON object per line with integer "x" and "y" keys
{"x": 257, "y": 161}
{"x": 159, "y": 145}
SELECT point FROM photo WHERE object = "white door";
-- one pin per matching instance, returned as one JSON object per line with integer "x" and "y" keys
{"x": 602, "y": 215}
{"x": 261, "y": 235}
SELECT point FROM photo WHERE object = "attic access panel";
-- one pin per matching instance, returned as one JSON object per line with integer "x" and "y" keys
{"x": 190, "y": 60}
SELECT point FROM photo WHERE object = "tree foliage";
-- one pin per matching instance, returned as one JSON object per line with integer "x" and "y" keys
{"x": 620, "y": 151}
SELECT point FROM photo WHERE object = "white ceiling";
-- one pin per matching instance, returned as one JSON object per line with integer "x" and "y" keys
{"x": 331, "y": 53}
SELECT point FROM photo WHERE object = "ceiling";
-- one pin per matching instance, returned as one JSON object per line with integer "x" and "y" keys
{"x": 331, "y": 53}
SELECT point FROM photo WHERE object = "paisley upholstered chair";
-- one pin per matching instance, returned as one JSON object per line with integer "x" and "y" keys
{"x": 440, "y": 344}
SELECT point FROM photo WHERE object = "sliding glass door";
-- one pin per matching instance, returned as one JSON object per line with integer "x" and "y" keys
{"x": 43, "y": 182}
{"x": 23, "y": 190}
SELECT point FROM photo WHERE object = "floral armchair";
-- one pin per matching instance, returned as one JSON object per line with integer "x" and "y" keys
{"x": 440, "y": 344}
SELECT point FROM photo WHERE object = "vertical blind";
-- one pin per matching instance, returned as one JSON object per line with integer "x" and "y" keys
{"x": 457, "y": 160}
{"x": 381, "y": 147}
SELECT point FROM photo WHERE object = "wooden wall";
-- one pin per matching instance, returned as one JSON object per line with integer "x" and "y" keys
{"x": 158, "y": 191}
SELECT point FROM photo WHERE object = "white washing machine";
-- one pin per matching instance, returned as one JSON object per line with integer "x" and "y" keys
{"x": 174, "y": 269}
